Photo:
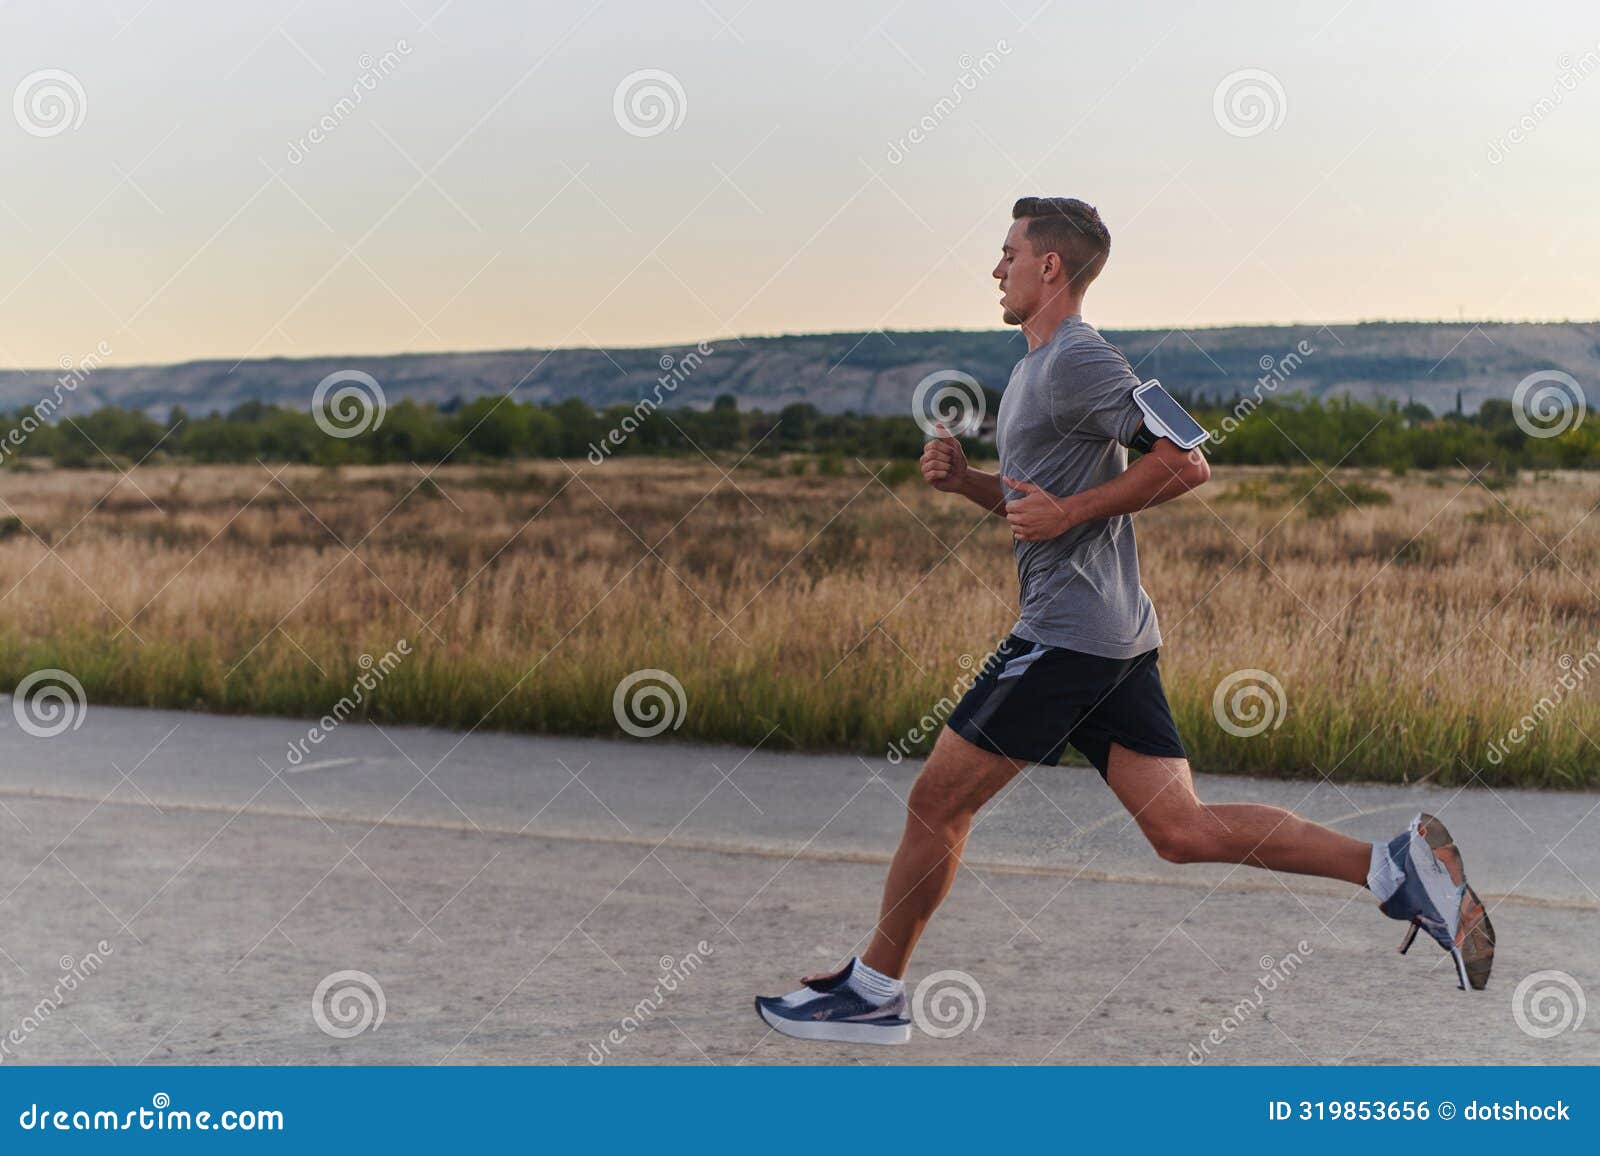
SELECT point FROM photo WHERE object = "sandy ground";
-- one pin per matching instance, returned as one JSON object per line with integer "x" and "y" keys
{"x": 518, "y": 900}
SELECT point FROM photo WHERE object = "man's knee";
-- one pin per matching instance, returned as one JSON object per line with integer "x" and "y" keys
{"x": 1186, "y": 839}
{"x": 939, "y": 801}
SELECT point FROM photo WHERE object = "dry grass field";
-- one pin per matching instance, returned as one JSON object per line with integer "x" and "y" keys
{"x": 1410, "y": 626}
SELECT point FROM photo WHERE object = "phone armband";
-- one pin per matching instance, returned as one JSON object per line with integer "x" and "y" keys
{"x": 1165, "y": 418}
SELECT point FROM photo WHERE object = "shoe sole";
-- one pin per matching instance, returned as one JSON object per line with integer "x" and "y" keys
{"x": 1474, "y": 955}
{"x": 836, "y": 1033}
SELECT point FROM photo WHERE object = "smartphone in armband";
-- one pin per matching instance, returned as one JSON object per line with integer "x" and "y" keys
{"x": 1166, "y": 418}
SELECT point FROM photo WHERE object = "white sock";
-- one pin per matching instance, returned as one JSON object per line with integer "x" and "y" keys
{"x": 864, "y": 981}
{"x": 1383, "y": 877}
{"x": 874, "y": 985}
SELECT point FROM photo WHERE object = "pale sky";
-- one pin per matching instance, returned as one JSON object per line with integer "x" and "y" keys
{"x": 485, "y": 194}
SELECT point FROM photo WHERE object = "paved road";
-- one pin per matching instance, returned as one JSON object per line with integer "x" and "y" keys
{"x": 521, "y": 899}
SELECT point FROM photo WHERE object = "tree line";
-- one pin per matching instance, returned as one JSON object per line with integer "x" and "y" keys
{"x": 1279, "y": 431}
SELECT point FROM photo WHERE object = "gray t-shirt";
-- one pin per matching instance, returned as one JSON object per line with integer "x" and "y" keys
{"x": 1065, "y": 418}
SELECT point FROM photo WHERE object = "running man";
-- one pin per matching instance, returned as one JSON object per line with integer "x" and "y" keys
{"x": 1080, "y": 665}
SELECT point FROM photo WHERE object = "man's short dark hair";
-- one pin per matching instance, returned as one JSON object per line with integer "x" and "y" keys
{"x": 1070, "y": 228}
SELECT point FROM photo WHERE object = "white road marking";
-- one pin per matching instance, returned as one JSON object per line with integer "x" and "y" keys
{"x": 324, "y": 765}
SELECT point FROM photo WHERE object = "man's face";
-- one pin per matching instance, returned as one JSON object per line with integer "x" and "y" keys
{"x": 1021, "y": 275}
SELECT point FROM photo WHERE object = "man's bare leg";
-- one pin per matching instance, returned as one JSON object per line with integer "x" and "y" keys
{"x": 959, "y": 778}
{"x": 1159, "y": 794}
{"x": 955, "y": 782}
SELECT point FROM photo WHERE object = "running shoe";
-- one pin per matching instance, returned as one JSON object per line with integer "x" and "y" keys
{"x": 828, "y": 1008}
{"x": 1435, "y": 898}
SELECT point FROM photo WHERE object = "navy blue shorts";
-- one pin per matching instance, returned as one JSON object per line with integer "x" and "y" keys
{"x": 1031, "y": 700}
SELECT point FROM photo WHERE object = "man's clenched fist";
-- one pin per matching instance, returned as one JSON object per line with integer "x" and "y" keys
{"x": 1036, "y": 516}
{"x": 944, "y": 464}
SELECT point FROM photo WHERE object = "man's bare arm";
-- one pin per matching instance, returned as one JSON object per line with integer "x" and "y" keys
{"x": 1159, "y": 476}
{"x": 986, "y": 490}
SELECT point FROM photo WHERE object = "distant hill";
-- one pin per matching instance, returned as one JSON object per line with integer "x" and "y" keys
{"x": 1429, "y": 362}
